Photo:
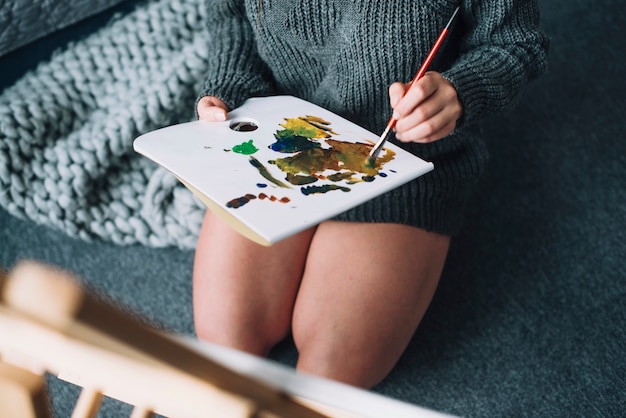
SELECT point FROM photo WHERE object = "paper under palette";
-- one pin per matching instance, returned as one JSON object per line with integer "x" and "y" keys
{"x": 279, "y": 165}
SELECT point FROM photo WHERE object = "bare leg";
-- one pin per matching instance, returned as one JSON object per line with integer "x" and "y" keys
{"x": 365, "y": 289}
{"x": 243, "y": 293}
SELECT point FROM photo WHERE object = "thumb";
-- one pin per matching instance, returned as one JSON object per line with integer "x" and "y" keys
{"x": 211, "y": 109}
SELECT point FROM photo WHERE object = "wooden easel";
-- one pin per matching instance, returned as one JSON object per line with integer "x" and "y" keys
{"x": 50, "y": 324}
{"x": 47, "y": 320}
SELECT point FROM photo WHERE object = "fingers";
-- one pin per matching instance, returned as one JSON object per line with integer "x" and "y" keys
{"x": 211, "y": 109}
{"x": 428, "y": 111}
{"x": 396, "y": 92}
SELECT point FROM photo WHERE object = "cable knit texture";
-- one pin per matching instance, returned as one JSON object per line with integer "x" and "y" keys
{"x": 342, "y": 55}
{"x": 66, "y": 129}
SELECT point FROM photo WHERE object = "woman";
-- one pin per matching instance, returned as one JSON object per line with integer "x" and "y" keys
{"x": 352, "y": 312}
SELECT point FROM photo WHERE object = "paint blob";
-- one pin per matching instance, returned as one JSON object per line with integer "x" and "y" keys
{"x": 314, "y": 156}
{"x": 246, "y": 148}
{"x": 266, "y": 174}
{"x": 297, "y": 180}
{"x": 323, "y": 189}
{"x": 243, "y": 200}
{"x": 299, "y": 134}
{"x": 273, "y": 198}
{"x": 240, "y": 201}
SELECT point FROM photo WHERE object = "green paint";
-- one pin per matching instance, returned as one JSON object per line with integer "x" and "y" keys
{"x": 287, "y": 142}
{"x": 300, "y": 134}
{"x": 322, "y": 189}
{"x": 310, "y": 162}
{"x": 266, "y": 174}
{"x": 340, "y": 176}
{"x": 308, "y": 127}
{"x": 307, "y": 162}
{"x": 246, "y": 148}
{"x": 297, "y": 180}
{"x": 345, "y": 157}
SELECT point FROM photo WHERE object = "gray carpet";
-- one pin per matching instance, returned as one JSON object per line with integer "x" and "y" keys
{"x": 529, "y": 319}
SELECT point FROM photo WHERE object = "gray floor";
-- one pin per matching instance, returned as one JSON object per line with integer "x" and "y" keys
{"x": 529, "y": 319}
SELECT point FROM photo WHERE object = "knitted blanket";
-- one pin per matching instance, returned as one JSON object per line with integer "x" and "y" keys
{"x": 66, "y": 129}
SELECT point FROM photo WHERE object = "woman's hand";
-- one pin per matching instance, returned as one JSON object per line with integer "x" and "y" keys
{"x": 211, "y": 109}
{"x": 428, "y": 111}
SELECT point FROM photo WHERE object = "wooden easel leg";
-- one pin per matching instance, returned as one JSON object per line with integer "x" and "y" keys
{"x": 88, "y": 403}
{"x": 23, "y": 393}
{"x": 139, "y": 412}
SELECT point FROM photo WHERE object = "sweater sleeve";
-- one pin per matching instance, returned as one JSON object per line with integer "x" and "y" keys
{"x": 503, "y": 48}
{"x": 235, "y": 72}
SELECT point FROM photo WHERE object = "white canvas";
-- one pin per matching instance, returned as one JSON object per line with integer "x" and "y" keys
{"x": 238, "y": 174}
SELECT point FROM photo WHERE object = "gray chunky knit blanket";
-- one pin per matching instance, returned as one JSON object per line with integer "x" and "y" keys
{"x": 66, "y": 129}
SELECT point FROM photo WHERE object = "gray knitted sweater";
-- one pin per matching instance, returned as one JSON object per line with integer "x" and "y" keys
{"x": 66, "y": 156}
{"x": 343, "y": 55}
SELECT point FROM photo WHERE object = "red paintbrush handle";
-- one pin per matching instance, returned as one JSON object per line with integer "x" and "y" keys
{"x": 420, "y": 73}
{"x": 422, "y": 70}
{"x": 429, "y": 58}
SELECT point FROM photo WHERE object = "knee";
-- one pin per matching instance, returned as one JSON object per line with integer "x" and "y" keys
{"x": 355, "y": 366}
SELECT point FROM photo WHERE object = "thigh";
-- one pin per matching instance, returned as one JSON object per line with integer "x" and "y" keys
{"x": 243, "y": 293}
{"x": 364, "y": 291}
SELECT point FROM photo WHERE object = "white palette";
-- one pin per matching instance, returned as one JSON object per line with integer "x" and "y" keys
{"x": 252, "y": 191}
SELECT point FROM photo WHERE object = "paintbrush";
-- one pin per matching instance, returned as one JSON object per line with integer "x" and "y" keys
{"x": 420, "y": 73}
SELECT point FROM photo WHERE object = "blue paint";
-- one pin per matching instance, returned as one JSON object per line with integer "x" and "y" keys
{"x": 287, "y": 142}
